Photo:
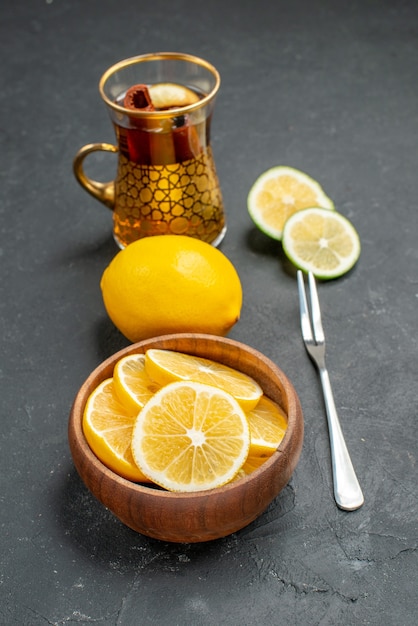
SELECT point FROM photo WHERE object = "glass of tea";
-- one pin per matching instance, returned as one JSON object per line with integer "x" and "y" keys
{"x": 161, "y": 107}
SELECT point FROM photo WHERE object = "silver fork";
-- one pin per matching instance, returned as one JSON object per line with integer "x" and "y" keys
{"x": 347, "y": 491}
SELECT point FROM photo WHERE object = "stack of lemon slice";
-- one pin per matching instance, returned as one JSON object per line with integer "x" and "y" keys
{"x": 182, "y": 422}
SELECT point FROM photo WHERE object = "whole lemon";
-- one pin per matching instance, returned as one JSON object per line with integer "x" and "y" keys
{"x": 171, "y": 283}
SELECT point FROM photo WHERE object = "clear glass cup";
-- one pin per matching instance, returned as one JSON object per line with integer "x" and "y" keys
{"x": 161, "y": 107}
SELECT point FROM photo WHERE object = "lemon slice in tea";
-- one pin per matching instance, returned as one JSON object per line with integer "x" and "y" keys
{"x": 171, "y": 95}
{"x": 278, "y": 193}
{"x": 321, "y": 241}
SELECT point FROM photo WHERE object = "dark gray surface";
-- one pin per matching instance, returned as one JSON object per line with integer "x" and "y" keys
{"x": 328, "y": 87}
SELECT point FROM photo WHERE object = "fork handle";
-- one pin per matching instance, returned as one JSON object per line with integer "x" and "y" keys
{"x": 347, "y": 491}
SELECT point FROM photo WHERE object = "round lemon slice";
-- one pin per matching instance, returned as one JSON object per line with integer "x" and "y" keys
{"x": 108, "y": 426}
{"x": 171, "y": 95}
{"x": 165, "y": 366}
{"x": 268, "y": 424}
{"x": 321, "y": 241}
{"x": 278, "y": 193}
{"x": 132, "y": 385}
{"x": 190, "y": 437}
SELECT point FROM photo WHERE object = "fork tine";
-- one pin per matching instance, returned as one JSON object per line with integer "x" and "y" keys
{"x": 304, "y": 312}
{"x": 318, "y": 330}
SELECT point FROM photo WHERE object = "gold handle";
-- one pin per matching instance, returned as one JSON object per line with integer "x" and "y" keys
{"x": 104, "y": 192}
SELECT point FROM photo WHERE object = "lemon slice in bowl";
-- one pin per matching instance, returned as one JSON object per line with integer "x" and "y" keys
{"x": 268, "y": 424}
{"x": 190, "y": 437}
{"x": 132, "y": 385}
{"x": 278, "y": 193}
{"x": 165, "y": 366}
{"x": 321, "y": 241}
{"x": 108, "y": 426}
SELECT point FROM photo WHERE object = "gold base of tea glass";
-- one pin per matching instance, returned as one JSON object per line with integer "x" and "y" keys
{"x": 166, "y": 181}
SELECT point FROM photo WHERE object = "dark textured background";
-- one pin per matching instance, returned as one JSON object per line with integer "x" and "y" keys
{"x": 328, "y": 87}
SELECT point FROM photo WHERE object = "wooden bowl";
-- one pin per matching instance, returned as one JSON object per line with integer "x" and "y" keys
{"x": 203, "y": 515}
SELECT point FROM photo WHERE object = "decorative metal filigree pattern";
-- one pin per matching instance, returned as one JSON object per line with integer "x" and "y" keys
{"x": 179, "y": 198}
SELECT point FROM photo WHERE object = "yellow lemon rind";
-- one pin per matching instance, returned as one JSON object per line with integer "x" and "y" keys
{"x": 171, "y": 283}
